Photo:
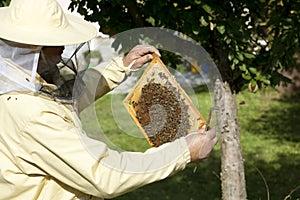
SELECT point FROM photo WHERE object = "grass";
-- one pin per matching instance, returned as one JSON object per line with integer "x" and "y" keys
{"x": 270, "y": 136}
{"x": 270, "y": 139}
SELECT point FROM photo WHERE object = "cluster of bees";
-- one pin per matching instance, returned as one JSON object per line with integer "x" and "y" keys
{"x": 160, "y": 107}
{"x": 162, "y": 113}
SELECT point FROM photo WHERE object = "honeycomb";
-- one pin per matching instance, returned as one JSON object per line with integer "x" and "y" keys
{"x": 160, "y": 107}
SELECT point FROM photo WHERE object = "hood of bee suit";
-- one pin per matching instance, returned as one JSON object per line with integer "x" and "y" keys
{"x": 43, "y": 23}
{"x": 18, "y": 67}
{"x": 26, "y": 25}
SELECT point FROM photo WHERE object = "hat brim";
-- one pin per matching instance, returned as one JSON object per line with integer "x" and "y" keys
{"x": 78, "y": 31}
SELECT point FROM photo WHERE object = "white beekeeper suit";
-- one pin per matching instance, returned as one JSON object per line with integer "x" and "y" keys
{"x": 44, "y": 151}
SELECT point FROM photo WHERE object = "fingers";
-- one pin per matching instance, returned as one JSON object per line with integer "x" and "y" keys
{"x": 140, "y": 50}
{"x": 141, "y": 54}
{"x": 201, "y": 143}
{"x": 199, "y": 131}
{"x": 141, "y": 61}
{"x": 215, "y": 140}
{"x": 211, "y": 133}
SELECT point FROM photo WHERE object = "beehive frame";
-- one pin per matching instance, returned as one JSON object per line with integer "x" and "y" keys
{"x": 160, "y": 107}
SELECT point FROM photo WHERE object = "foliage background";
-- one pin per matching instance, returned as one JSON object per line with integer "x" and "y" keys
{"x": 250, "y": 41}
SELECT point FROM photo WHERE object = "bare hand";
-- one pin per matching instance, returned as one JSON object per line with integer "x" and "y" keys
{"x": 201, "y": 143}
{"x": 139, "y": 55}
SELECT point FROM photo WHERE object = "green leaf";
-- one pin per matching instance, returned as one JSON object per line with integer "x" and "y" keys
{"x": 243, "y": 68}
{"x": 221, "y": 29}
{"x": 246, "y": 76}
{"x": 230, "y": 56}
{"x": 253, "y": 70}
{"x": 253, "y": 83}
{"x": 151, "y": 20}
{"x": 266, "y": 81}
{"x": 228, "y": 41}
{"x": 258, "y": 76}
{"x": 202, "y": 21}
{"x": 195, "y": 32}
{"x": 207, "y": 8}
{"x": 249, "y": 55}
{"x": 236, "y": 61}
{"x": 240, "y": 56}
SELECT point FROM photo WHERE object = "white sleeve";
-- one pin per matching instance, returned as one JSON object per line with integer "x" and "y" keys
{"x": 55, "y": 144}
{"x": 101, "y": 79}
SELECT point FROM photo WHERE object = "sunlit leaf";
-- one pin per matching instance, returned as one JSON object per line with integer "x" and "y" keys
{"x": 221, "y": 29}
{"x": 253, "y": 70}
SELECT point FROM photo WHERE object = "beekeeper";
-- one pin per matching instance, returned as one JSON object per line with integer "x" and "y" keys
{"x": 44, "y": 152}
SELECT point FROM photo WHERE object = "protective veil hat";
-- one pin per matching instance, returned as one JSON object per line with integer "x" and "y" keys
{"x": 43, "y": 23}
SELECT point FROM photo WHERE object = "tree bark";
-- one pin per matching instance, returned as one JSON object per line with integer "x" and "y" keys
{"x": 232, "y": 166}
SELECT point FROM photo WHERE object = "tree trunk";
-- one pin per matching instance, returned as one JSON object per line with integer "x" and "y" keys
{"x": 232, "y": 167}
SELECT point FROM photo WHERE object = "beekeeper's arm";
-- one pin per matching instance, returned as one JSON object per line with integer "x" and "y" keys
{"x": 104, "y": 77}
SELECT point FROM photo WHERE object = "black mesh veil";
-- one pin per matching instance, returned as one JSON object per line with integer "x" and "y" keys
{"x": 65, "y": 73}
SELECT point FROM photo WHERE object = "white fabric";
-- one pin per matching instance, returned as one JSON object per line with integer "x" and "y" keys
{"x": 26, "y": 58}
{"x": 43, "y": 23}
{"x": 45, "y": 155}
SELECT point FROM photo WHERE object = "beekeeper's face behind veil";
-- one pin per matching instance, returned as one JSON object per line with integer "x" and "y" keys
{"x": 32, "y": 36}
